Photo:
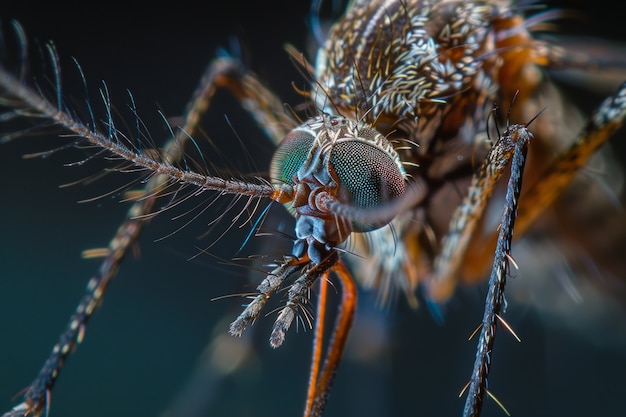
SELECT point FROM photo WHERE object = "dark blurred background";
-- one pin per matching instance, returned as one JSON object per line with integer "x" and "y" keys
{"x": 158, "y": 325}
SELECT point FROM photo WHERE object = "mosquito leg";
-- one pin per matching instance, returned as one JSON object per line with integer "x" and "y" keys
{"x": 602, "y": 124}
{"x": 468, "y": 215}
{"x": 36, "y": 395}
{"x": 517, "y": 136}
{"x": 35, "y": 398}
{"x": 537, "y": 197}
{"x": 269, "y": 113}
{"x": 581, "y": 56}
{"x": 266, "y": 108}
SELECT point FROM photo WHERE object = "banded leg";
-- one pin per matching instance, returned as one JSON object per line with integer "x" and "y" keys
{"x": 468, "y": 215}
{"x": 222, "y": 73}
{"x": 516, "y": 137}
{"x": 269, "y": 113}
{"x": 602, "y": 124}
{"x": 37, "y": 394}
{"x": 262, "y": 104}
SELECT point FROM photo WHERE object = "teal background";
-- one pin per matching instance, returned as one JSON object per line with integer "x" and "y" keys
{"x": 157, "y": 316}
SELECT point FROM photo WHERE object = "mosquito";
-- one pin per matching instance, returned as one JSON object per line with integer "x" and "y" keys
{"x": 392, "y": 170}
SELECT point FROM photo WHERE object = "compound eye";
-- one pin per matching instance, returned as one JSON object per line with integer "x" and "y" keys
{"x": 291, "y": 154}
{"x": 368, "y": 177}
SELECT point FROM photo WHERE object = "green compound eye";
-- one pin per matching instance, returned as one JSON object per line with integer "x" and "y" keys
{"x": 290, "y": 156}
{"x": 369, "y": 177}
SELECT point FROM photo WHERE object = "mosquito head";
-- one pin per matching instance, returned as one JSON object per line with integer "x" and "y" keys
{"x": 335, "y": 164}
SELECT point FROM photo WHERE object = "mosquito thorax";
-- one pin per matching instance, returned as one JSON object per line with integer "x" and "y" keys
{"x": 332, "y": 161}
